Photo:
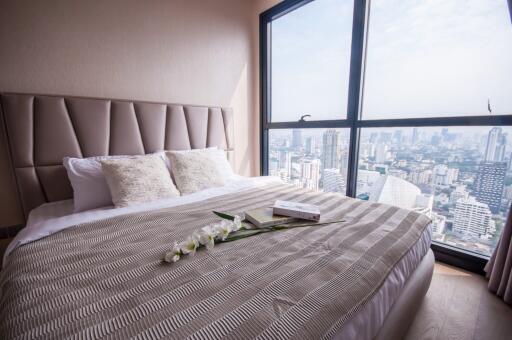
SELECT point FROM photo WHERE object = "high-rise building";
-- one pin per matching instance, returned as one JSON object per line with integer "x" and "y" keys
{"x": 310, "y": 145}
{"x": 331, "y": 149}
{"x": 397, "y": 136}
{"x": 381, "y": 153}
{"x": 285, "y": 161}
{"x": 489, "y": 184}
{"x": 496, "y": 145}
{"x": 310, "y": 173}
{"x": 415, "y": 136}
{"x": 296, "y": 139}
{"x": 438, "y": 223}
{"x": 333, "y": 181}
{"x": 471, "y": 217}
{"x": 343, "y": 161}
{"x": 460, "y": 192}
{"x": 501, "y": 148}
{"x": 420, "y": 177}
{"x": 442, "y": 175}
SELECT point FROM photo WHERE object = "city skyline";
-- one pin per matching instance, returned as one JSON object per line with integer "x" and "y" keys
{"x": 460, "y": 177}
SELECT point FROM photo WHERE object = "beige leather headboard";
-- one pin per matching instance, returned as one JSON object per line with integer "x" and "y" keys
{"x": 41, "y": 130}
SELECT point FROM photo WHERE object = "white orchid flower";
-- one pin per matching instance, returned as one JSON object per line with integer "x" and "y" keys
{"x": 173, "y": 255}
{"x": 237, "y": 223}
{"x": 189, "y": 246}
{"x": 207, "y": 237}
{"x": 223, "y": 229}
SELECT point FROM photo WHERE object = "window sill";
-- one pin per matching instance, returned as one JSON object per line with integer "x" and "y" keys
{"x": 461, "y": 258}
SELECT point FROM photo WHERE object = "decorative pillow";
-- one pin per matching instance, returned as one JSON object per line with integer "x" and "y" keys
{"x": 199, "y": 169}
{"x": 138, "y": 179}
{"x": 90, "y": 189}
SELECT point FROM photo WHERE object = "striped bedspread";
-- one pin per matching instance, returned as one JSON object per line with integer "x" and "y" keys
{"x": 105, "y": 280}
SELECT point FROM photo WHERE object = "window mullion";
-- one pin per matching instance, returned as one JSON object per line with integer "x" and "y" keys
{"x": 354, "y": 90}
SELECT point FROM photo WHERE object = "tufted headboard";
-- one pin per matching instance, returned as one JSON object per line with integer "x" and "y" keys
{"x": 41, "y": 130}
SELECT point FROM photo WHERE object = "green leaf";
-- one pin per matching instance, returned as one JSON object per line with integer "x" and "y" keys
{"x": 224, "y": 216}
{"x": 304, "y": 224}
{"x": 247, "y": 230}
{"x": 240, "y": 234}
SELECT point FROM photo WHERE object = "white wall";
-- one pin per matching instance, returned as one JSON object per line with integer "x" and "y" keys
{"x": 201, "y": 52}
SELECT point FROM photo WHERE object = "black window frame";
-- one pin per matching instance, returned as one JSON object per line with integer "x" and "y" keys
{"x": 456, "y": 256}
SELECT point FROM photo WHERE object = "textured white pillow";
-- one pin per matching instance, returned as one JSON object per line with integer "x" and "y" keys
{"x": 90, "y": 189}
{"x": 199, "y": 169}
{"x": 138, "y": 179}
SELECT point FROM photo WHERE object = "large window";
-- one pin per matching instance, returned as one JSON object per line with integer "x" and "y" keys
{"x": 438, "y": 58}
{"x": 303, "y": 60}
{"x": 409, "y": 103}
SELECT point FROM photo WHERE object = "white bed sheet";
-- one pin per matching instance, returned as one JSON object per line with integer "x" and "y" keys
{"x": 53, "y": 217}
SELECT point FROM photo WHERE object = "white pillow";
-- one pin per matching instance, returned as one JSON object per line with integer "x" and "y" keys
{"x": 90, "y": 188}
{"x": 199, "y": 169}
{"x": 138, "y": 179}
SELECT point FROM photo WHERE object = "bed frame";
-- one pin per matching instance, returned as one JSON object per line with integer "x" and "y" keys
{"x": 404, "y": 309}
{"x": 42, "y": 129}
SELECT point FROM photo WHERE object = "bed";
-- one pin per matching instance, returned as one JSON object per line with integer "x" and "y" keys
{"x": 98, "y": 273}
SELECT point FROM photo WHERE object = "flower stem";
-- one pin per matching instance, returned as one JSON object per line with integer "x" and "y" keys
{"x": 243, "y": 233}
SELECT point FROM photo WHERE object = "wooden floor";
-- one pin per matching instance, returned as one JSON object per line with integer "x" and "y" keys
{"x": 458, "y": 306}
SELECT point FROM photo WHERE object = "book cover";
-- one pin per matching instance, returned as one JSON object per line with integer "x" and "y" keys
{"x": 297, "y": 210}
{"x": 264, "y": 217}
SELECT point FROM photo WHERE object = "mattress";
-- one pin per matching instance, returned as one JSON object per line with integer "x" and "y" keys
{"x": 364, "y": 324}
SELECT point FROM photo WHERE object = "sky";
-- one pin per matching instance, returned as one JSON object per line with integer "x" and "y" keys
{"x": 425, "y": 58}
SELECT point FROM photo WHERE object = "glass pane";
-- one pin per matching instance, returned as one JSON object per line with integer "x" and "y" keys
{"x": 310, "y": 61}
{"x": 438, "y": 58}
{"x": 310, "y": 158}
{"x": 460, "y": 176}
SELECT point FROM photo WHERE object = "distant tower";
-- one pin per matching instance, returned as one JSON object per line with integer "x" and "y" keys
{"x": 489, "y": 184}
{"x": 333, "y": 181}
{"x": 284, "y": 161}
{"x": 496, "y": 145}
{"x": 330, "y": 149}
{"x": 472, "y": 217}
{"x": 296, "y": 139}
{"x": 397, "y": 136}
{"x": 415, "y": 136}
{"x": 381, "y": 153}
{"x": 310, "y": 173}
{"x": 310, "y": 145}
{"x": 501, "y": 148}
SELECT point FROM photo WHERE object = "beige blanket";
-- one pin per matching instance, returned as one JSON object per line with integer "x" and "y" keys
{"x": 105, "y": 279}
